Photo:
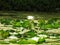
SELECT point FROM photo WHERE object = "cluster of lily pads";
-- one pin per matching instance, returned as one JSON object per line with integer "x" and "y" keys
{"x": 41, "y": 23}
{"x": 26, "y": 31}
{"x": 7, "y": 37}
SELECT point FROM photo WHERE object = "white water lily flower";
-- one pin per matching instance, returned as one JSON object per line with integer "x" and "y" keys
{"x": 13, "y": 37}
{"x": 10, "y": 33}
{"x": 22, "y": 32}
{"x": 30, "y": 17}
{"x": 1, "y": 25}
{"x": 35, "y": 38}
{"x": 14, "y": 33}
{"x": 6, "y": 40}
{"x": 42, "y": 36}
{"x": 52, "y": 37}
{"x": 6, "y": 28}
{"x": 21, "y": 28}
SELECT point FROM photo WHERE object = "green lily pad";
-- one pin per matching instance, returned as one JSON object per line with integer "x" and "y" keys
{"x": 41, "y": 40}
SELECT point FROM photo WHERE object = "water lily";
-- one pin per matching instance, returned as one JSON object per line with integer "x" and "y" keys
{"x": 30, "y": 17}
{"x": 21, "y": 28}
{"x": 52, "y": 37}
{"x": 42, "y": 36}
{"x": 13, "y": 37}
{"x": 35, "y": 38}
{"x": 7, "y": 40}
{"x": 15, "y": 33}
